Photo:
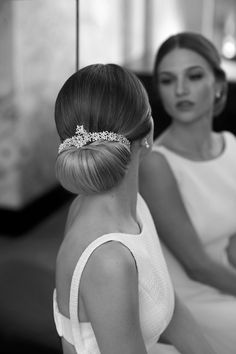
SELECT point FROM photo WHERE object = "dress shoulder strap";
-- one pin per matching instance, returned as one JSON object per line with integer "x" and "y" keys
{"x": 74, "y": 289}
{"x": 158, "y": 148}
{"x": 173, "y": 159}
{"x": 230, "y": 138}
{"x": 167, "y": 153}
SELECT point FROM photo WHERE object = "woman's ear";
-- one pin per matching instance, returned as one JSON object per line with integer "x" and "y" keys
{"x": 221, "y": 89}
{"x": 146, "y": 144}
{"x": 218, "y": 90}
{"x": 141, "y": 143}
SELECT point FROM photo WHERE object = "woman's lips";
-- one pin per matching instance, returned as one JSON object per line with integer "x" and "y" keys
{"x": 184, "y": 105}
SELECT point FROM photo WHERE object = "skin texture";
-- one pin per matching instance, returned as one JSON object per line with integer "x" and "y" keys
{"x": 187, "y": 88}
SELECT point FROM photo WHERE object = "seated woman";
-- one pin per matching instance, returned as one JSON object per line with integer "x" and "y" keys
{"x": 113, "y": 291}
{"x": 189, "y": 184}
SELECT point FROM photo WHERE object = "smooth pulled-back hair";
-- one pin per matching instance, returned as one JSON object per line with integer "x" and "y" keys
{"x": 101, "y": 97}
{"x": 202, "y": 46}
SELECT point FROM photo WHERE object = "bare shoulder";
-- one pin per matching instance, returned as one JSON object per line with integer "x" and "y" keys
{"x": 155, "y": 159}
{"x": 111, "y": 267}
{"x": 111, "y": 262}
{"x": 109, "y": 292}
{"x": 155, "y": 164}
{"x": 156, "y": 178}
{"x": 110, "y": 273}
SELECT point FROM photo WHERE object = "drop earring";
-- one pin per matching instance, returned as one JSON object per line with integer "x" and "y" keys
{"x": 147, "y": 146}
{"x": 218, "y": 95}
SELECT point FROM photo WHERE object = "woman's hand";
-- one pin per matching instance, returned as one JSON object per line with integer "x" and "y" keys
{"x": 231, "y": 250}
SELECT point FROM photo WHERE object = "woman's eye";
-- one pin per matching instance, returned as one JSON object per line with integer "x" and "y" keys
{"x": 165, "y": 81}
{"x": 197, "y": 76}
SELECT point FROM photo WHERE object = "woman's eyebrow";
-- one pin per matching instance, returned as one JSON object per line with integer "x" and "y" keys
{"x": 169, "y": 72}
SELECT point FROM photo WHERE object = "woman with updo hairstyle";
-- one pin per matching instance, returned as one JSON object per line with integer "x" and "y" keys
{"x": 101, "y": 100}
{"x": 188, "y": 182}
{"x": 113, "y": 292}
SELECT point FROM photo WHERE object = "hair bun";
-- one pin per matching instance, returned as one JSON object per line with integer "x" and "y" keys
{"x": 94, "y": 168}
{"x": 101, "y": 109}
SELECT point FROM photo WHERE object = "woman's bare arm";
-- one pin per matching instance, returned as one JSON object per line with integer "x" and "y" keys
{"x": 109, "y": 289}
{"x": 159, "y": 188}
{"x": 184, "y": 332}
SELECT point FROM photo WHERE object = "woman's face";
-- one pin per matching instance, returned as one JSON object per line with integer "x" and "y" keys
{"x": 187, "y": 85}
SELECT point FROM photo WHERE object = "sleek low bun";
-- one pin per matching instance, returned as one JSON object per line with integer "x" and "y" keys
{"x": 99, "y": 98}
{"x": 94, "y": 168}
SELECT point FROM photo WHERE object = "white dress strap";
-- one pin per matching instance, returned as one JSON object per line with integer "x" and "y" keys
{"x": 74, "y": 290}
{"x": 62, "y": 323}
{"x": 163, "y": 150}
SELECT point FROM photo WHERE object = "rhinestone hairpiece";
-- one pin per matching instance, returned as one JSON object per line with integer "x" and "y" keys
{"x": 82, "y": 137}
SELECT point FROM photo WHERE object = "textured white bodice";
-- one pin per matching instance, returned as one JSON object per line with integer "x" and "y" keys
{"x": 208, "y": 190}
{"x": 156, "y": 297}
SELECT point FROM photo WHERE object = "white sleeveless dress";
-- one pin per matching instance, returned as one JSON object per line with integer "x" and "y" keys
{"x": 208, "y": 191}
{"x": 156, "y": 295}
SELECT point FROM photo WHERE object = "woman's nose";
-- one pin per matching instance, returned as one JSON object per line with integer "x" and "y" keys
{"x": 182, "y": 87}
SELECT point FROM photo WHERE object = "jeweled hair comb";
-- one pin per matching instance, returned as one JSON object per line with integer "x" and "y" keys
{"x": 82, "y": 137}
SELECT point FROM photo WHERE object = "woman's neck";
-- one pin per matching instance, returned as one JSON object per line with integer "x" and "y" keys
{"x": 196, "y": 141}
{"x": 119, "y": 203}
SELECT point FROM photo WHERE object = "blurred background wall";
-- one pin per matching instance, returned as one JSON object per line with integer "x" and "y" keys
{"x": 129, "y": 32}
{"x": 37, "y": 53}
{"x": 38, "y": 44}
